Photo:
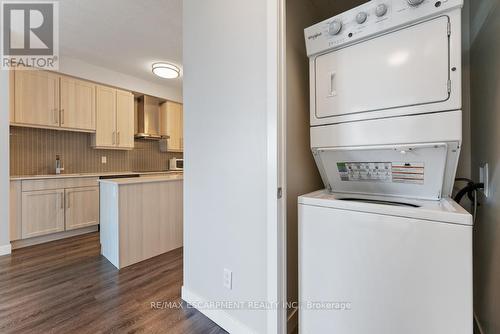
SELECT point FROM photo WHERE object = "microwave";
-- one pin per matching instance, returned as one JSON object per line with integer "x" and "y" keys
{"x": 176, "y": 164}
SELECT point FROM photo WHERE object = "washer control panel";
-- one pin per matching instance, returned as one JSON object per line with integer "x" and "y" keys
{"x": 372, "y": 18}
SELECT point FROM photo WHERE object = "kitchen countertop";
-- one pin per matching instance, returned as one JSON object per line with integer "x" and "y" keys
{"x": 76, "y": 175}
{"x": 137, "y": 180}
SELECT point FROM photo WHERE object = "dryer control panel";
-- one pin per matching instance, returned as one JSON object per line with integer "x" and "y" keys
{"x": 372, "y": 18}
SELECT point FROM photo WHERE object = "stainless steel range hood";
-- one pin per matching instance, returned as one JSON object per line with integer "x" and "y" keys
{"x": 148, "y": 118}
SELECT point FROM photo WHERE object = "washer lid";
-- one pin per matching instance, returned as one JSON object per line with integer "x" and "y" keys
{"x": 445, "y": 210}
{"x": 413, "y": 171}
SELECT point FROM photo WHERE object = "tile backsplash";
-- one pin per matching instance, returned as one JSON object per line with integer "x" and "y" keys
{"x": 33, "y": 152}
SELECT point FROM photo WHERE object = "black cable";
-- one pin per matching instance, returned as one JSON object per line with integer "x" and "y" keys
{"x": 466, "y": 190}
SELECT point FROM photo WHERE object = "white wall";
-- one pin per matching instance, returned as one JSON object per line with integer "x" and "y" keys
{"x": 4, "y": 163}
{"x": 485, "y": 126}
{"x": 226, "y": 149}
{"x": 84, "y": 70}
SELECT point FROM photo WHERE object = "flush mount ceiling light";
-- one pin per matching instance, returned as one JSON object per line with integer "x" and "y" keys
{"x": 166, "y": 70}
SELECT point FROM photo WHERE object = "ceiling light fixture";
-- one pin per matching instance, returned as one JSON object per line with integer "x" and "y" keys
{"x": 166, "y": 70}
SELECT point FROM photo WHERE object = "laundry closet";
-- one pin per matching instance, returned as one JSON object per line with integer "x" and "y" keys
{"x": 341, "y": 104}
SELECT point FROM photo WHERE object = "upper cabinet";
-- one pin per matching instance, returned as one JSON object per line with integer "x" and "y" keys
{"x": 36, "y": 98}
{"x": 124, "y": 119}
{"x": 115, "y": 119}
{"x": 49, "y": 100}
{"x": 172, "y": 125}
{"x": 77, "y": 104}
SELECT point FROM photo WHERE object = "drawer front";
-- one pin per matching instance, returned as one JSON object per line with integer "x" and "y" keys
{"x": 62, "y": 183}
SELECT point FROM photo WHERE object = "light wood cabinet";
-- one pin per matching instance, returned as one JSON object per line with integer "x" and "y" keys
{"x": 42, "y": 212}
{"x": 82, "y": 207}
{"x": 115, "y": 119}
{"x": 77, "y": 104}
{"x": 36, "y": 98}
{"x": 106, "y": 117}
{"x": 42, "y": 207}
{"x": 124, "y": 119}
{"x": 172, "y": 125}
{"x": 49, "y": 100}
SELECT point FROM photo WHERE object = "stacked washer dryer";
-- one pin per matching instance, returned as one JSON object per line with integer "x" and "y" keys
{"x": 383, "y": 249}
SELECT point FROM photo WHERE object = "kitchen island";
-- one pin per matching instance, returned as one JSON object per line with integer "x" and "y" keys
{"x": 140, "y": 217}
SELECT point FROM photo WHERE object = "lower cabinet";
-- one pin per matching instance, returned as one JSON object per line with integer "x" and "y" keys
{"x": 82, "y": 207}
{"x": 44, "y": 207}
{"x": 42, "y": 212}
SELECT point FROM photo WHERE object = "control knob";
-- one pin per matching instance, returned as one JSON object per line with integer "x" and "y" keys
{"x": 380, "y": 10}
{"x": 415, "y": 2}
{"x": 361, "y": 17}
{"x": 334, "y": 27}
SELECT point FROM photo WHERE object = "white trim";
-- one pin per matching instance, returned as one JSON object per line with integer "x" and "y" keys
{"x": 5, "y": 249}
{"x": 220, "y": 317}
{"x": 276, "y": 232}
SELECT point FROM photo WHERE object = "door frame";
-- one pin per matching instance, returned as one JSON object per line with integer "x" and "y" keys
{"x": 276, "y": 171}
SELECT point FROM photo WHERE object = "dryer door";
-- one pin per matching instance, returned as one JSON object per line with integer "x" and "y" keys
{"x": 405, "y": 68}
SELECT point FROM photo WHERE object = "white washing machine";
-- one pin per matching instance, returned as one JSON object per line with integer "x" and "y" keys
{"x": 380, "y": 265}
{"x": 383, "y": 249}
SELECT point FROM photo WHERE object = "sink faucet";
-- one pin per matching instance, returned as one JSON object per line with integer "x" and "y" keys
{"x": 59, "y": 167}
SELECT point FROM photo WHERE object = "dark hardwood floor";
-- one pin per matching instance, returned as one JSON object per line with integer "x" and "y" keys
{"x": 66, "y": 286}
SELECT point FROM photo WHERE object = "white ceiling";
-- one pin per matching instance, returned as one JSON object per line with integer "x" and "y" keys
{"x": 123, "y": 35}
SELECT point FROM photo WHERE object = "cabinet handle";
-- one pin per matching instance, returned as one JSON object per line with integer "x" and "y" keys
{"x": 62, "y": 200}
{"x": 67, "y": 200}
{"x": 118, "y": 138}
{"x": 113, "y": 138}
{"x": 56, "y": 118}
{"x": 62, "y": 116}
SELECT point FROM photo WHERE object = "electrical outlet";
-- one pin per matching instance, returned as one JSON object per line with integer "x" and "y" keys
{"x": 484, "y": 178}
{"x": 104, "y": 159}
{"x": 228, "y": 279}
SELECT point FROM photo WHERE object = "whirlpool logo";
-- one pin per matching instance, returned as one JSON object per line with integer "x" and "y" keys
{"x": 30, "y": 34}
{"x": 316, "y": 35}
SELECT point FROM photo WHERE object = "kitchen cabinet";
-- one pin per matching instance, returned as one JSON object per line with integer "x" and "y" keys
{"x": 106, "y": 117}
{"x": 49, "y": 100}
{"x": 115, "y": 119}
{"x": 42, "y": 207}
{"x": 124, "y": 119}
{"x": 82, "y": 207}
{"x": 42, "y": 212}
{"x": 172, "y": 125}
{"x": 36, "y": 98}
{"x": 77, "y": 104}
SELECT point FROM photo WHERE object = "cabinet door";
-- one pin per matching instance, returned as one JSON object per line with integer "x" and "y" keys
{"x": 174, "y": 126}
{"x": 36, "y": 98}
{"x": 82, "y": 207}
{"x": 124, "y": 119}
{"x": 42, "y": 212}
{"x": 77, "y": 104}
{"x": 106, "y": 117}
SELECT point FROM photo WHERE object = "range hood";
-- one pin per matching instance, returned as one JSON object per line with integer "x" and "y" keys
{"x": 148, "y": 118}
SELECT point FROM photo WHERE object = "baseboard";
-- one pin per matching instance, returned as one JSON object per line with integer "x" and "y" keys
{"x": 5, "y": 249}
{"x": 16, "y": 244}
{"x": 293, "y": 321}
{"x": 220, "y": 317}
